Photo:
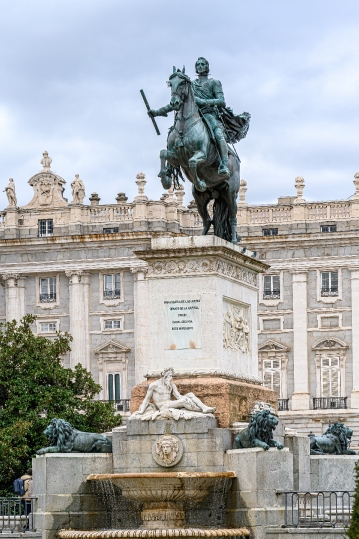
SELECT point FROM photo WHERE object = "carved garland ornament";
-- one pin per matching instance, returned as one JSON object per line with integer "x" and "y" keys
{"x": 190, "y": 265}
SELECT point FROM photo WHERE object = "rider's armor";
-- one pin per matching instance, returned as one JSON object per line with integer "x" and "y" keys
{"x": 210, "y": 92}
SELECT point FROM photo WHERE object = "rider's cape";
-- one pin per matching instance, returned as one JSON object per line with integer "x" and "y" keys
{"x": 236, "y": 126}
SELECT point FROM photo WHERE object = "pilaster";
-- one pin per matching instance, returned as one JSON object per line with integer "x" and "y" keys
{"x": 141, "y": 308}
{"x": 355, "y": 336}
{"x": 79, "y": 318}
{"x": 14, "y": 296}
{"x": 300, "y": 397}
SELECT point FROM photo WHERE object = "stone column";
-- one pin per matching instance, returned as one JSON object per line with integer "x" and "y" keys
{"x": 79, "y": 317}
{"x": 355, "y": 336}
{"x": 300, "y": 397}
{"x": 14, "y": 296}
{"x": 141, "y": 308}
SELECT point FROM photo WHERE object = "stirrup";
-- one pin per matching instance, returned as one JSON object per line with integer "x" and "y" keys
{"x": 223, "y": 171}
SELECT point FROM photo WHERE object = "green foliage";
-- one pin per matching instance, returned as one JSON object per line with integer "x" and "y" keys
{"x": 353, "y": 531}
{"x": 35, "y": 388}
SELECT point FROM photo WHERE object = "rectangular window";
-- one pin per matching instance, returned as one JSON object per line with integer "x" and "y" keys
{"x": 330, "y": 372}
{"x": 114, "y": 387}
{"x": 47, "y": 289}
{"x": 272, "y": 374}
{"x": 329, "y": 283}
{"x": 46, "y": 227}
{"x": 271, "y": 287}
{"x": 270, "y": 231}
{"x": 110, "y": 230}
{"x": 328, "y": 228}
{"x": 48, "y": 327}
{"x": 112, "y": 286}
{"x": 112, "y": 324}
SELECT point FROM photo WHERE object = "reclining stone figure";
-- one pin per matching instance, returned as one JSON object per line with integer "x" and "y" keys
{"x": 162, "y": 392}
{"x": 335, "y": 441}
{"x": 259, "y": 432}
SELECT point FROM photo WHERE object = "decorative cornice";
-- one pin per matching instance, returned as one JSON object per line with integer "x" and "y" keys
{"x": 216, "y": 373}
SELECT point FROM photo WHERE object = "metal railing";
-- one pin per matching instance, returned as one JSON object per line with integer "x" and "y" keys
{"x": 121, "y": 405}
{"x": 327, "y": 509}
{"x": 329, "y": 291}
{"x": 48, "y": 298}
{"x": 324, "y": 403}
{"x": 271, "y": 294}
{"x": 17, "y": 514}
{"x": 283, "y": 405}
{"x": 112, "y": 294}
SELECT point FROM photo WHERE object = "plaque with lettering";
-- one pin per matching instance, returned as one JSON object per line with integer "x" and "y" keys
{"x": 182, "y": 322}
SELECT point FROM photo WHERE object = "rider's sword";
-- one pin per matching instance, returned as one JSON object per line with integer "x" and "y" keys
{"x": 150, "y": 115}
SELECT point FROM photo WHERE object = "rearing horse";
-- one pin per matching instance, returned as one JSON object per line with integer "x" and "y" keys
{"x": 191, "y": 147}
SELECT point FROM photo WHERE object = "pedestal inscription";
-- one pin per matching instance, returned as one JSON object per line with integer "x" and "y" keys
{"x": 182, "y": 322}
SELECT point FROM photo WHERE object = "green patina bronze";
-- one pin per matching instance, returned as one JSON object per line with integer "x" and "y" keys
{"x": 259, "y": 432}
{"x": 335, "y": 441}
{"x": 197, "y": 144}
{"x": 64, "y": 438}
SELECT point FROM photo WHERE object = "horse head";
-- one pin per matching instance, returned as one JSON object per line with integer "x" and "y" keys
{"x": 179, "y": 83}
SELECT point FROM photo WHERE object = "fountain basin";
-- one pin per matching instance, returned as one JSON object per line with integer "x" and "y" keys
{"x": 190, "y": 533}
{"x": 164, "y": 494}
{"x": 167, "y": 486}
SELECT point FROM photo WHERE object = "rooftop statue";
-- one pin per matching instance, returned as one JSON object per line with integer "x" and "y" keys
{"x": 259, "y": 432}
{"x": 78, "y": 190}
{"x": 10, "y": 193}
{"x": 335, "y": 441}
{"x": 64, "y": 438}
{"x": 197, "y": 144}
{"x": 168, "y": 403}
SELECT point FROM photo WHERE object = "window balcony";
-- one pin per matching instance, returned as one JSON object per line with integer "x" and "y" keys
{"x": 325, "y": 403}
{"x": 329, "y": 291}
{"x": 112, "y": 294}
{"x": 48, "y": 298}
{"x": 283, "y": 405}
{"x": 271, "y": 294}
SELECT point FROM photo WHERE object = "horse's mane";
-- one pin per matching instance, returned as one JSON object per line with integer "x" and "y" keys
{"x": 339, "y": 430}
{"x": 62, "y": 435}
{"x": 260, "y": 428}
{"x": 180, "y": 75}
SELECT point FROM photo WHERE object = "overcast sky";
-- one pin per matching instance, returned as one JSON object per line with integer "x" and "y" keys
{"x": 71, "y": 73}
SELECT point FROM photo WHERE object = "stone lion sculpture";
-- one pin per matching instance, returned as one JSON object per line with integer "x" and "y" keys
{"x": 335, "y": 441}
{"x": 259, "y": 432}
{"x": 167, "y": 448}
{"x": 64, "y": 438}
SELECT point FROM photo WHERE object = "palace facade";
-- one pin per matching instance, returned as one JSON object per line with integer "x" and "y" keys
{"x": 73, "y": 265}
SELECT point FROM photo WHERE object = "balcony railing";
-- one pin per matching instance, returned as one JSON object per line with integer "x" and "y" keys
{"x": 283, "y": 405}
{"x": 122, "y": 405}
{"x": 271, "y": 294}
{"x": 324, "y": 403}
{"x": 17, "y": 514}
{"x": 328, "y": 509}
{"x": 112, "y": 294}
{"x": 329, "y": 291}
{"x": 48, "y": 298}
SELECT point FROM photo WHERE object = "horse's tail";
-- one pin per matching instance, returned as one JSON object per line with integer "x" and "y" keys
{"x": 222, "y": 226}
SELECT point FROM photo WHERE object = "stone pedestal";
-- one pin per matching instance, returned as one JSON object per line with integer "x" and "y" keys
{"x": 233, "y": 396}
{"x": 198, "y": 306}
{"x": 333, "y": 472}
{"x": 254, "y": 502}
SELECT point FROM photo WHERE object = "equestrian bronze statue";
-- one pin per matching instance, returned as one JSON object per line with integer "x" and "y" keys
{"x": 197, "y": 144}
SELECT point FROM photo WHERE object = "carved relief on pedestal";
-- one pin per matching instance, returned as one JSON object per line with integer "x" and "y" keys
{"x": 236, "y": 327}
{"x": 167, "y": 450}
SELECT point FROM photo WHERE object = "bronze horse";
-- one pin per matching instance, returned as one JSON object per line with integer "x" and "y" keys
{"x": 191, "y": 147}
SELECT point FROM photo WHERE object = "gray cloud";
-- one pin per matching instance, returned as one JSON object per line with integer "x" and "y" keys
{"x": 72, "y": 71}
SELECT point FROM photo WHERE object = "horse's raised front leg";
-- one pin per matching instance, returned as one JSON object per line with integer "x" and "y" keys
{"x": 202, "y": 199}
{"x": 193, "y": 162}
